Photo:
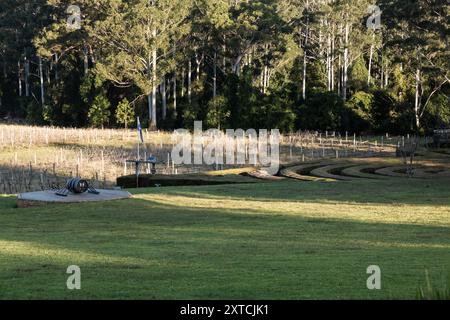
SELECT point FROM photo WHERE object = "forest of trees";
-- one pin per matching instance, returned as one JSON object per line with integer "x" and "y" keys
{"x": 287, "y": 64}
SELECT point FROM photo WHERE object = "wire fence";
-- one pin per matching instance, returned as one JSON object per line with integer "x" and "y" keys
{"x": 35, "y": 158}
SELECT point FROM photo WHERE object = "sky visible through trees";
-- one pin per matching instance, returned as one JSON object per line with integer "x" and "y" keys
{"x": 345, "y": 65}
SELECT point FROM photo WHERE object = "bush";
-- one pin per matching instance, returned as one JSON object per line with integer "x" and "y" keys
{"x": 276, "y": 113}
{"x": 218, "y": 113}
{"x": 383, "y": 113}
{"x": 322, "y": 111}
{"x": 359, "y": 110}
{"x": 243, "y": 101}
{"x": 361, "y": 103}
{"x": 437, "y": 114}
{"x": 358, "y": 75}
{"x": 146, "y": 180}
{"x": 125, "y": 113}
{"x": 403, "y": 120}
{"x": 99, "y": 112}
{"x": 35, "y": 114}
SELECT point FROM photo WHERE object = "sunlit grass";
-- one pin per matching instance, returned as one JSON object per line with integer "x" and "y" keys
{"x": 276, "y": 240}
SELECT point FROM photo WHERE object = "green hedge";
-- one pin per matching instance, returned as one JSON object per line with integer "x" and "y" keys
{"x": 146, "y": 180}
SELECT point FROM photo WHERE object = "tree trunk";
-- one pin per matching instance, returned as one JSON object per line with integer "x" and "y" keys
{"x": 91, "y": 54}
{"x": 183, "y": 82}
{"x": 189, "y": 81}
{"x": 261, "y": 81}
{"x": 382, "y": 71}
{"x": 345, "y": 80}
{"x": 339, "y": 76}
{"x": 305, "y": 61}
{"x": 175, "y": 94}
{"x": 47, "y": 73}
{"x": 328, "y": 61}
{"x": 266, "y": 80}
{"x": 304, "y": 77}
{"x": 418, "y": 99}
{"x": 85, "y": 60}
{"x": 19, "y": 77}
{"x": 152, "y": 96}
{"x": 198, "y": 61}
{"x": 386, "y": 75}
{"x": 150, "y": 107}
{"x": 27, "y": 74}
{"x": 332, "y": 62}
{"x": 370, "y": 62}
{"x": 237, "y": 65}
{"x": 164, "y": 98}
{"x": 224, "y": 48}
{"x": 154, "y": 85}
{"x": 215, "y": 75}
{"x": 41, "y": 79}
{"x": 56, "y": 67}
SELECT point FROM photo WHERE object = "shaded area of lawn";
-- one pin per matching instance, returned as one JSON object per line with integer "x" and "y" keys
{"x": 267, "y": 241}
{"x": 399, "y": 191}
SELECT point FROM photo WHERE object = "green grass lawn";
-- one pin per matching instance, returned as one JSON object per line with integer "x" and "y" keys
{"x": 280, "y": 240}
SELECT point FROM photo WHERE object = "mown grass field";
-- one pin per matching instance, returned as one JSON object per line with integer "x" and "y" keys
{"x": 278, "y": 240}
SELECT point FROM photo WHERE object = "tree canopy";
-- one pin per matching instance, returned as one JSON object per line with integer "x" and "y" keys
{"x": 349, "y": 65}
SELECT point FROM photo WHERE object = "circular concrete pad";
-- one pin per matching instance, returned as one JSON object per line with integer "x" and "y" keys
{"x": 39, "y": 198}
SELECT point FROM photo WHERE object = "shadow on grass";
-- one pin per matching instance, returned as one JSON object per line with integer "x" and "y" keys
{"x": 362, "y": 191}
{"x": 119, "y": 222}
{"x": 8, "y": 201}
{"x": 219, "y": 252}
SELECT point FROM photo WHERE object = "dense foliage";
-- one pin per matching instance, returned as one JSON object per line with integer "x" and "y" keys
{"x": 287, "y": 64}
